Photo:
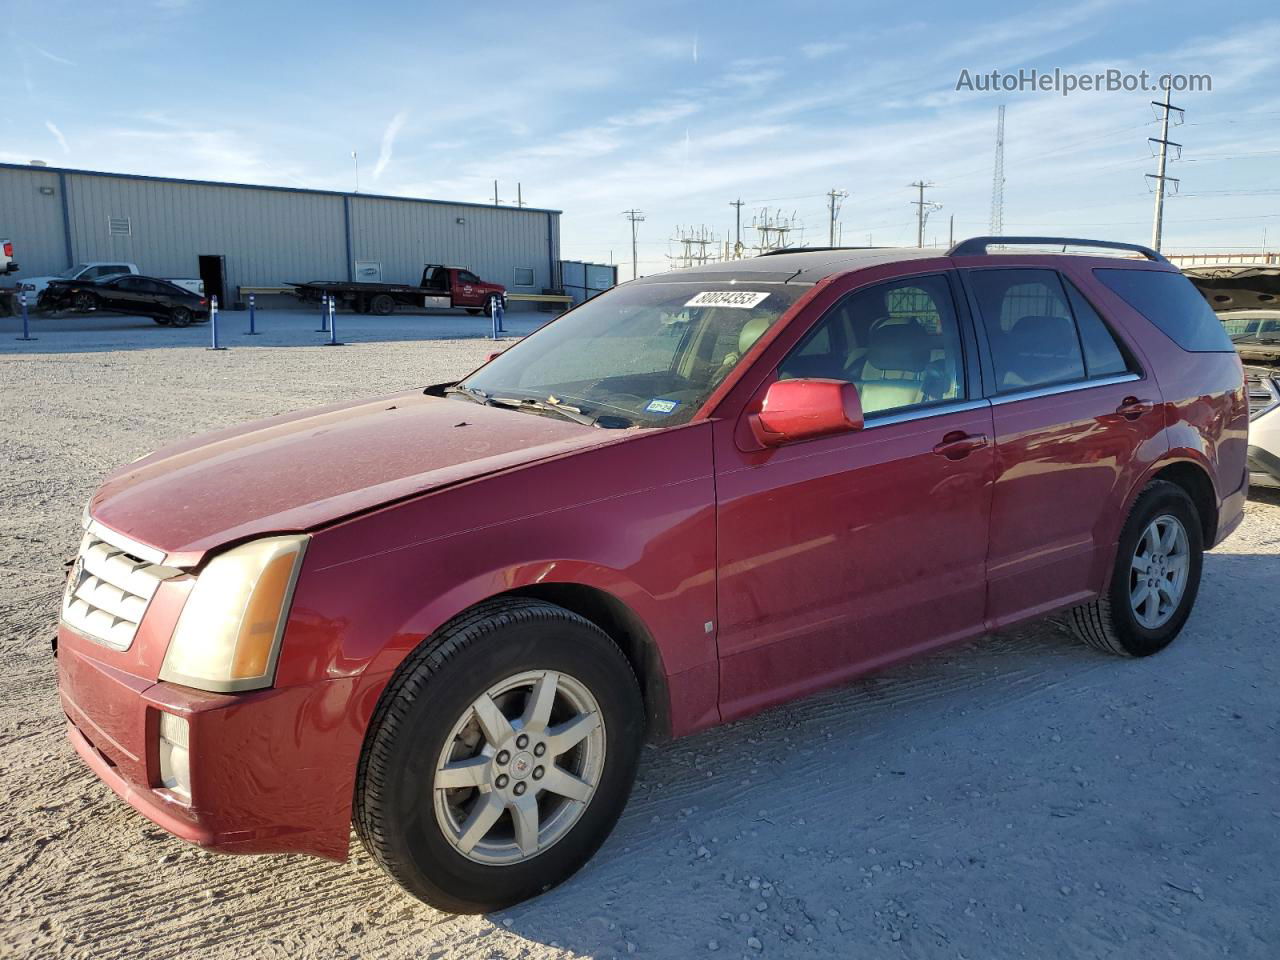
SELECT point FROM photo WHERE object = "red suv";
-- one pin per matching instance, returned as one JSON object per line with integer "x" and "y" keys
{"x": 452, "y": 615}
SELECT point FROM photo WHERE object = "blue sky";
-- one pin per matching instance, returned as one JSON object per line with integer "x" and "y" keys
{"x": 672, "y": 108}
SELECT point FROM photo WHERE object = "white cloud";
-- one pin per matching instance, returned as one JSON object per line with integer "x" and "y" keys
{"x": 53, "y": 56}
{"x": 57, "y": 135}
{"x": 816, "y": 51}
{"x": 388, "y": 142}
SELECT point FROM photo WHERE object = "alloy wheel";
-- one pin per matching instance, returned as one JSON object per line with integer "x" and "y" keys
{"x": 1158, "y": 572}
{"x": 519, "y": 767}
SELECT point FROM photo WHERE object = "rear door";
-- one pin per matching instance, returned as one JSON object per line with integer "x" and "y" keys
{"x": 1077, "y": 421}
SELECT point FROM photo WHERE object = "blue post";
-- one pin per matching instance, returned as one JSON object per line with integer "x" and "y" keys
{"x": 495, "y": 321}
{"x": 333, "y": 328}
{"x": 500, "y": 311}
{"x": 324, "y": 315}
{"x": 26, "y": 325}
{"x": 213, "y": 324}
{"x": 252, "y": 331}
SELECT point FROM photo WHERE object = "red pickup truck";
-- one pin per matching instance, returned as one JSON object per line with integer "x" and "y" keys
{"x": 440, "y": 287}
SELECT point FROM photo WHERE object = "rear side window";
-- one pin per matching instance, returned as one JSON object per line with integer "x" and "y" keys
{"x": 1170, "y": 302}
{"x": 1029, "y": 327}
{"x": 1103, "y": 356}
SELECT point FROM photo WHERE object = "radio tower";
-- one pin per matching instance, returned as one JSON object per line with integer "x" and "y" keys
{"x": 997, "y": 180}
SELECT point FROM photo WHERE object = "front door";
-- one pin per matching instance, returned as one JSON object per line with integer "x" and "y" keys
{"x": 1077, "y": 423}
{"x": 844, "y": 553}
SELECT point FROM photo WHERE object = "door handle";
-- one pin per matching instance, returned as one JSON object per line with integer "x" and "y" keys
{"x": 1132, "y": 408}
{"x": 957, "y": 445}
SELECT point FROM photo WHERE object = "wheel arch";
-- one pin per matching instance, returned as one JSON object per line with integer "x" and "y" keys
{"x": 1195, "y": 480}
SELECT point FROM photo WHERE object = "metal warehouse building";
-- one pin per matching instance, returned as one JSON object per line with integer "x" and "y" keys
{"x": 233, "y": 235}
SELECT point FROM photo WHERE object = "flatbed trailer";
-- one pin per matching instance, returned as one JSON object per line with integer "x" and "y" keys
{"x": 441, "y": 287}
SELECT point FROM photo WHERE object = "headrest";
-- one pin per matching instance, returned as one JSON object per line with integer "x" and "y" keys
{"x": 1044, "y": 335}
{"x": 902, "y": 347}
{"x": 752, "y": 331}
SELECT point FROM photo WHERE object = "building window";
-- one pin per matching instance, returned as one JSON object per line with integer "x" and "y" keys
{"x": 119, "y": 227}
{"x": 524, "y": 277}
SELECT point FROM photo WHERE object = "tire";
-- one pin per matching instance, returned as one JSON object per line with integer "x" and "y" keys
{"x": 474, "y": 311}
{"x": 382, "y": 305}
{"x": 428, "y": 714}
{"x": 84, "y": 302}
{"x": 1114, "y": 623}
{"x": 490, "y": 304}
{"x": 180, "y": 317}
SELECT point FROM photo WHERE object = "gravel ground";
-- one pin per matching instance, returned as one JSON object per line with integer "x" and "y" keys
{"x": 1021, "y": 796}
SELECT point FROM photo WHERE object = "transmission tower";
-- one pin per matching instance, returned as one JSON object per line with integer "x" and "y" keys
{"x": 997, "y": 179}
{"x": 693, "y": 247}
{"x": 635, "y": 216}
{"x": 773, "y": 230}
{"x": 1164, "y": 109}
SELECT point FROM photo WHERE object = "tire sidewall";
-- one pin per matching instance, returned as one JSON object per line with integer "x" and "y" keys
{"x": 424, "y": 860}
{"x": 1165, "y": 499}
{"x": 180, "y": 317}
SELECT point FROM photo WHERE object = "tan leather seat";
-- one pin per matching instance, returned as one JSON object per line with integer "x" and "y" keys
{"x": 893, "y": 375}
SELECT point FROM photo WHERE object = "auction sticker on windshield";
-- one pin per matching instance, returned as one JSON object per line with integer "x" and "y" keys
{"x": 739, "y": 299}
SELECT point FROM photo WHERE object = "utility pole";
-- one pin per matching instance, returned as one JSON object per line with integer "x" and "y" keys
{"x": 737, "y": 226}
{"x": 923, "y": 209}
{"x": 635, "y": 216}
{"x": 951, "y": 232}
{"x": 833, "y": 205}
{"x": 355, "y": 161}
{"x": 495, "y": 193}
{"x": 1164, "y": 108}
{"x": 997, "y": 180}
{"x": 519, "y": 195}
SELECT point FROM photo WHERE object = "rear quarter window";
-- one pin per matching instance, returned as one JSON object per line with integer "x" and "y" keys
{"x": 1171, "y": 302}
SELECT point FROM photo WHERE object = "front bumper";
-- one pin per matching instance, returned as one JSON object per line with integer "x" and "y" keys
{"x": 264, "y": 775}
{"x": 1264, "y": 462}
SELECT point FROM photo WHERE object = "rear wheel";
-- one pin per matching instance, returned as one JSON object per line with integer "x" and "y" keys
{"x": 382, "y": 304}
{"x": 500, "y": 756}
{"x": 180, "y": 317}
{"x": 1156, "y": 577}
{"x": 84, "y": 302}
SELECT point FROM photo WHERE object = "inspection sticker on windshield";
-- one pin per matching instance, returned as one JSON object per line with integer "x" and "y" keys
{"x": 662, "y": 407}
{"x": 738, "y": 299}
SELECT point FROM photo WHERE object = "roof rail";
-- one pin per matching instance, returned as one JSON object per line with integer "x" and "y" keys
{"x": 976, "y": 246}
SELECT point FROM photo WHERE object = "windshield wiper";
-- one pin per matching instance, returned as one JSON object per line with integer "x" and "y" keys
{"x": 549, "y": 405}
{"x": 471, "y": 393}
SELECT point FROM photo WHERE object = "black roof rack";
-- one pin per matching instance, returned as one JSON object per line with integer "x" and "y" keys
{"x": 976, "y": 246}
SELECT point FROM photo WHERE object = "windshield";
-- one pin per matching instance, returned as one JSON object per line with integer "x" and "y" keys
{"x": 72, "y": 272}
{"x": 646, "y": 354}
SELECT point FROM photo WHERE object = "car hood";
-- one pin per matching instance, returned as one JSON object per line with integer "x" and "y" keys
{"x": 301, "y": 471}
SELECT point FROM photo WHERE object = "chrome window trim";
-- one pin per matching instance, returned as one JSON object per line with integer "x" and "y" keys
{"x": 1057, "y": 388}
{"x": 871, "y": 421}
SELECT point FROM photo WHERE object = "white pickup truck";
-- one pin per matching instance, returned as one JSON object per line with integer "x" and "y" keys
{"x": 7, "y": 266}
{"x": 96, "y": 270}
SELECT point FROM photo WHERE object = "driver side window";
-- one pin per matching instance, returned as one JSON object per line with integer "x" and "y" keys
{"x": 897, "y": 342}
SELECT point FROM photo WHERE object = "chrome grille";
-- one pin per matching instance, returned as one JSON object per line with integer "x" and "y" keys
{"x": 109, "y": 589}
{"x": 1263, "y": 395}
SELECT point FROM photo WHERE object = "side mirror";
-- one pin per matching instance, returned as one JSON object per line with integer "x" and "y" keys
{"x": 795, "y": 410}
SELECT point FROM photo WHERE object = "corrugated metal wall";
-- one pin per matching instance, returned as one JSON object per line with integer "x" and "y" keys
{"x": 268, "y": 236}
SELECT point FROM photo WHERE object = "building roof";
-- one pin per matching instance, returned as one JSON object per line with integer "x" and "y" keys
{"x": 31, "y": 168}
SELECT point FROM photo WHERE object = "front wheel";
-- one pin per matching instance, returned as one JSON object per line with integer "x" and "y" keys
{"x": 1156, "y": 577}
{"x": 500, "y": 756}
{"x": 491, "y": 305}
{"x": 84, "y": 302}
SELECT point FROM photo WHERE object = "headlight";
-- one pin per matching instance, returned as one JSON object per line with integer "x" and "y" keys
{"x": 228, "y": 635}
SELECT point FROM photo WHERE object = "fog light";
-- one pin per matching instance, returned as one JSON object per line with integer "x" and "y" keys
{"x": 175, "y": 764}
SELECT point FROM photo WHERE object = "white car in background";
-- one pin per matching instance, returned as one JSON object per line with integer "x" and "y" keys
{"x": 98, "y": 270}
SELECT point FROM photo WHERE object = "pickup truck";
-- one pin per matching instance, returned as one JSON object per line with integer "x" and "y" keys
{"x": 96, "y": 270}
{"x": 441, "y": 287}
{"x": 7, "y": 265}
